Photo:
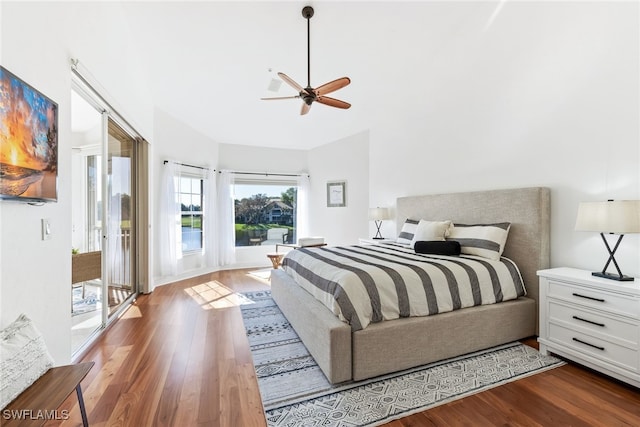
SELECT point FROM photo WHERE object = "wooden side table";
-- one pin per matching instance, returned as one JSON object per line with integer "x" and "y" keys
{"x": 275, "y": 259}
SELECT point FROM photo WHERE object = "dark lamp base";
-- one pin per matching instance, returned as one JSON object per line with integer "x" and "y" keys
{"x": 378, "y": 238}
{"x": 619, "y": 278}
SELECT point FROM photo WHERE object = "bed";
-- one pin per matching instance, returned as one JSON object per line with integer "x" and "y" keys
{"x": 345, "y": 353}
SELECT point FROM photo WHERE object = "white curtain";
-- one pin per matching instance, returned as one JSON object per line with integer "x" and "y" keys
{"x": 210, "y": 215}
{"x": 302, "y": 207}
{"x": 169, "y": 220}
{"x": 115, "y": 258}
{"x": 226, "y": 220}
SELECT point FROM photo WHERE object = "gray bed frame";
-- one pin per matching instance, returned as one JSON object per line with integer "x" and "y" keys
{"x": 400, "y": 344}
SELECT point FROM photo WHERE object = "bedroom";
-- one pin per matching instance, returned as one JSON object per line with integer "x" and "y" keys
{"x": 547, "y": 95}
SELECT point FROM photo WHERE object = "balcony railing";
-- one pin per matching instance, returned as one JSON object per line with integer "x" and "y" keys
{"x": 119, "y": 258}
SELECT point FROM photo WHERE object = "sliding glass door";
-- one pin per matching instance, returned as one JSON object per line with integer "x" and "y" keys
{"x": 86, "y": 238}
{"x": 120, "y": 263}
{"x": 106, "y": 216}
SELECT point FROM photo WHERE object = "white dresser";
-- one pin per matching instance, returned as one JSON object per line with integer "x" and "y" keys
{"x": 592, "y": 321}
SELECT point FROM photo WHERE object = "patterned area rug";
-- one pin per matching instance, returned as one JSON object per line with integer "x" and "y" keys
{"x": 295, "y": 392}
{"x": 85, "y": 300}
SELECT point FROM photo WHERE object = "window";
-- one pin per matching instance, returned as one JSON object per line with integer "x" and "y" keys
{"x": 191, "y": 190}
{"x": 265, "y": 211}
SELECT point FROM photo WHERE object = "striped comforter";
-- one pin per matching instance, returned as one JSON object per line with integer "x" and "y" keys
{"x": 371, "y": 283}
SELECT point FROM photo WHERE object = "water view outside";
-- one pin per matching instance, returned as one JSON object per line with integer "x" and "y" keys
{"x": 265, "y": 214}
{"x": 191, "y": 234}
{"x": 191, "y": 213}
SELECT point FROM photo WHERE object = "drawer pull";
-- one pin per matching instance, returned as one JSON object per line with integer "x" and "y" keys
{"x": 588, "y": 321}
{"x": 586, "y": 297}
{"x": 590, "y": 345}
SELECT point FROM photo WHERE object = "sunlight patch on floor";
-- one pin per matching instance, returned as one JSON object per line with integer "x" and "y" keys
{"x": 83, "y": 326}
{"x": 133, "y": 312}
{"x": 215, "y": 295}
{"x": 263, "y": 275}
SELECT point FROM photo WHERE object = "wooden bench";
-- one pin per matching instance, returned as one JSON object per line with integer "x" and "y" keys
{"x": 40, "y": 401}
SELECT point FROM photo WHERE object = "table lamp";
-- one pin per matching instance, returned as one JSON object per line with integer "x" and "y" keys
{"x": 613, "y": 217}
{"x": 378, "y": 215}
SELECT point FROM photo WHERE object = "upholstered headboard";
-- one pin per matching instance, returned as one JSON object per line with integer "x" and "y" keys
{"x": 527, "y": 209}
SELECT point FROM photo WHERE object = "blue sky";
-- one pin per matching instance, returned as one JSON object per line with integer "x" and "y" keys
{"x": 242, "y": 191}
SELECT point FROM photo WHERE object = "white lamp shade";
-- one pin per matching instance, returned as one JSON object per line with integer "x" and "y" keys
{"x": 378, "y": 214}
{"x": 618, "y": 216}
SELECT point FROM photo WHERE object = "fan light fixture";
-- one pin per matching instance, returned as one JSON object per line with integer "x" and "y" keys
{"x": 309, "y": 94}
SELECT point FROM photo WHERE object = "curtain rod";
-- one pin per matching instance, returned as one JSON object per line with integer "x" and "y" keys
{"x": 266, "y": 173}
{"x": 238, "y": 172}
{"x": 185, "y": 164}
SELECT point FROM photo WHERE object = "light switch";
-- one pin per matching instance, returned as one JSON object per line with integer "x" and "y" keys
{"x": 46, "y": 229}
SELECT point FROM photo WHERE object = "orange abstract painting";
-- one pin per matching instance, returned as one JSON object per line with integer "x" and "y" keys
{"x": 28, "y": 141}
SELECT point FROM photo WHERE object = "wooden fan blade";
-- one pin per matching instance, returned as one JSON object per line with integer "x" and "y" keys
{"x": 290, "y": 82}
{"x": 305, "y": 108}
{"x": 332, "y": 86}
{"x": 333, "y": 102}
{"x": 280, "y": 97}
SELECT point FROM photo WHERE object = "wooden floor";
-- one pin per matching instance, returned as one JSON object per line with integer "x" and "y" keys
{"x": 179, "y": 357}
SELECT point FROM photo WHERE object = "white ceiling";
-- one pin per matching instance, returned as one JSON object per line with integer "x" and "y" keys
{"x": 209, "y": 63}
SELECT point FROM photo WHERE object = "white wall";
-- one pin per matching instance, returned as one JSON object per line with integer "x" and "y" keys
{"x": 344, "y": 160}
{"x": 37, "y": 41}
{"x": 548, "y": 95}
{"x": 259, "y": 159}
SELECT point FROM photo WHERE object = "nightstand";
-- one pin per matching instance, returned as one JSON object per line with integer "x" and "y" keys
{"x": 592, "y": 321}
{"x": 372, "y": 241}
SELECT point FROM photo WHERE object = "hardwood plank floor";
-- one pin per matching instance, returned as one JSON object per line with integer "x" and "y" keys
{"x": 179, "y": 357}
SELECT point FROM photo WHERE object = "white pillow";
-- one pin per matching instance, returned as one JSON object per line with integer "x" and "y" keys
{"x": 408, "y": 230}
{"x": 23, "y": 358}
{"x": 431, "y": 230}
{"x": 485, "y": 240}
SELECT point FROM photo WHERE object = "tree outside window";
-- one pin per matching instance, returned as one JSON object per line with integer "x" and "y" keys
{"x": 263, "y": 207}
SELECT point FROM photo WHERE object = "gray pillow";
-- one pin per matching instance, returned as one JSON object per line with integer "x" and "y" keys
{"x": 408, "y": 230}
{"x": 485, "y": 240}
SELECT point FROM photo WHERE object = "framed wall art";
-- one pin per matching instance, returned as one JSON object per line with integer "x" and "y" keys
{"x": 28, "y": 142}
{"x": 336, "y": 194}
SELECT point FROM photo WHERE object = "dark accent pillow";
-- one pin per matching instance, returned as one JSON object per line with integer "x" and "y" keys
{"x": 437, "y": 247}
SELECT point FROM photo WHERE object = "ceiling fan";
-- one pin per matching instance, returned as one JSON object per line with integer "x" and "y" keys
{"x": 309, "y": 94}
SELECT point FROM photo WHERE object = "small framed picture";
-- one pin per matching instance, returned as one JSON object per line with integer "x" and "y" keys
{"x": 336, "y": 194}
